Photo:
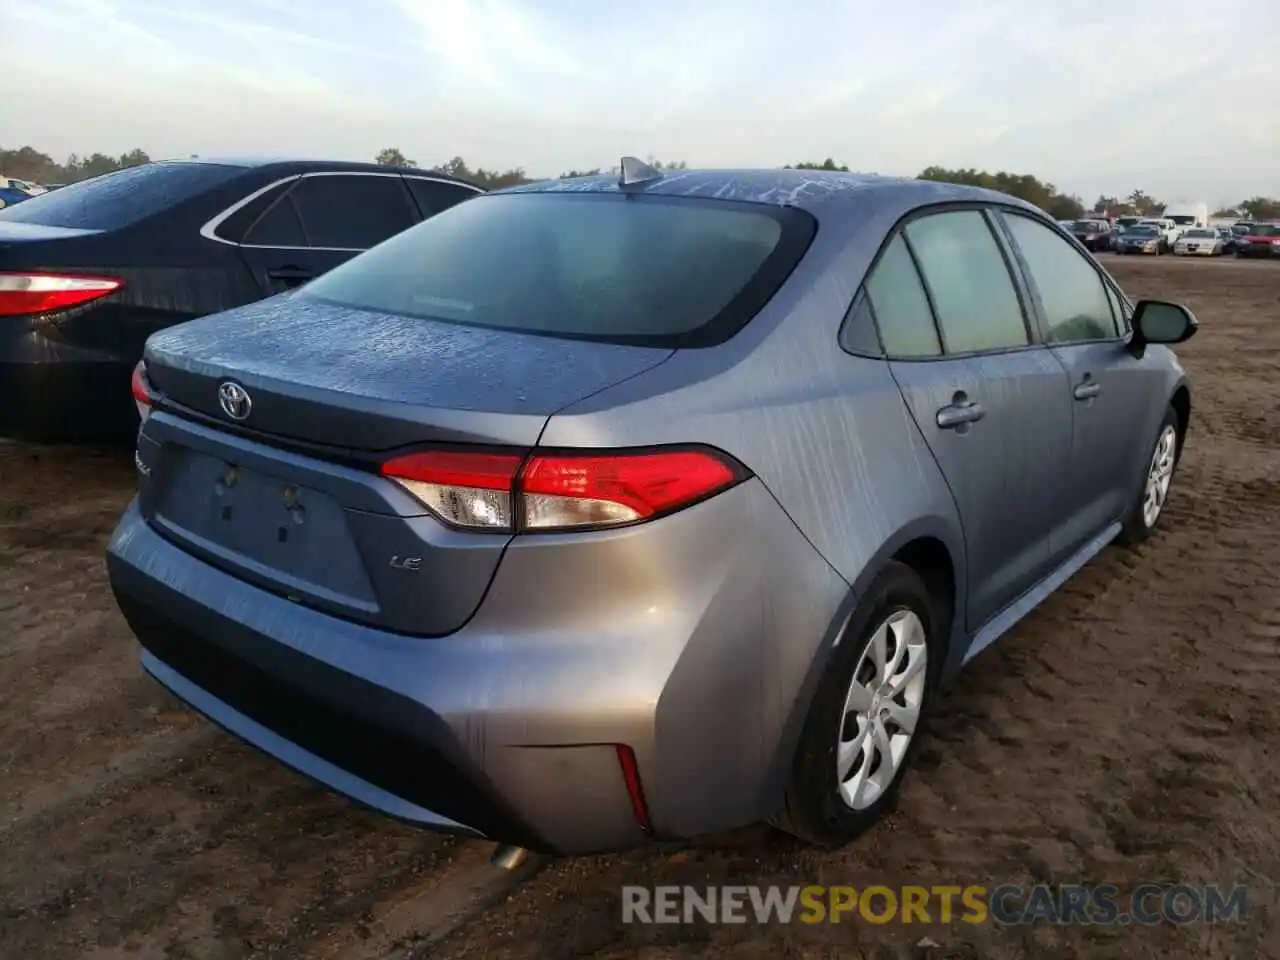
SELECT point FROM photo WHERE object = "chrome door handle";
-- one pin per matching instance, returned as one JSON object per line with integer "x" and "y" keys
{"x": 1087, "y": 389}
{"x": 958, "y": 414}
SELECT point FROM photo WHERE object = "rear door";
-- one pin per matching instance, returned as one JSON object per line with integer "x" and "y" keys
{"x": 990, "y": 401}
{"x": 1081, "y": 318}
{"x": 323, "y": 221}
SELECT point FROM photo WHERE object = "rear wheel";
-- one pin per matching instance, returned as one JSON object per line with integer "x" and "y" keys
{"x": 1148, "y": 507}
{"x": 863, "y": 726}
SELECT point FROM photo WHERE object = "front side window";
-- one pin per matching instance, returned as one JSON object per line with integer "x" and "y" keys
{"x": 647, "y": 270}
{"x": 973, "y": 293}
{"x": 1120, "y": 309}
{"x": 1072, "y": 294}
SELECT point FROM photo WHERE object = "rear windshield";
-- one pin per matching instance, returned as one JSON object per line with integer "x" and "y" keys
{"x": 1264, "y": 230}
{"x": 1182, "y": 218}
{"x": 1143, "y": 231}
{"x": 1200, "y": 233}
{"x": 120, "y": 198}
{"x": 645, "y": 270}
{"x": 1087, "y": 225}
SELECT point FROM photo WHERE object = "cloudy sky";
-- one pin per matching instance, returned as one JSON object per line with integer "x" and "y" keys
{"x": 1178, "y": 97}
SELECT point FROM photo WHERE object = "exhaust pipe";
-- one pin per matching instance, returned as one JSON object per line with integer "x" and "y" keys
{"x": 508, "y": 857}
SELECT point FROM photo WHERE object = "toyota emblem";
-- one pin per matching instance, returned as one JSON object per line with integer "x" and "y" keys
{"x": 234, "y": 400}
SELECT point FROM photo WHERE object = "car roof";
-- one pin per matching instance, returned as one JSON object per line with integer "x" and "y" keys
{"x": 309, "y": 164}
{"x": 813, "y": 190}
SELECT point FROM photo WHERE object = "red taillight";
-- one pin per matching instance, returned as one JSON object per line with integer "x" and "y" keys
{"x": 503, "y": 492}
{"x": 465, "y": 489}
{"x": 141, "y": 395}
{"x": 32, "y": 293}
{"x": 579, "y": 490}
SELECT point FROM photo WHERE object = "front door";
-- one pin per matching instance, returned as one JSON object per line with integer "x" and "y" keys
{"x": 1086, "y": 329}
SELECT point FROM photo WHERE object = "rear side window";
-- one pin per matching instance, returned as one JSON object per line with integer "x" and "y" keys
{"x": 234, "y": 227}
{"x": 972, "y": 291}
{"x": 123, "y": 197}
{"x": 646, "y": 270}
{"x": 900, "y": 305}
{"x": 1071, "y": 292}
{"x": 278, "y": 227}
{"x": 352, "y": 212}
{"x": 434, "y": 196}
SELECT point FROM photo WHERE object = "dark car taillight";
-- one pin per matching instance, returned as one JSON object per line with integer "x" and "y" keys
{"x": 31, "y": 293}
{"x": 561, "y": 490}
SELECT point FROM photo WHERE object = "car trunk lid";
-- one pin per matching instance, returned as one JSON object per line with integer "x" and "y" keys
{"x": 290, "y": 500}
{"x": 324, "y": 374}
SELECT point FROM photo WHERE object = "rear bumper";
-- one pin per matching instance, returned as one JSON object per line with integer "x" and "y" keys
{"x": 508, "y": 728}
{"x": 1259, "y": 251}
{"x": 53, "y": 393}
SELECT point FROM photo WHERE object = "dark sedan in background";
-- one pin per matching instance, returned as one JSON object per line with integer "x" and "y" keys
{"x": 1095, "y": 235}
{"x": 87, "y": 273}
{"x": 1262, "y": 240}
{"x": 11, "y": 193}
{"x": 1142, "y": 239}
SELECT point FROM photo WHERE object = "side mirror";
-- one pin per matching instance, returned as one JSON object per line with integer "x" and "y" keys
{"x": 1158, "y": 321}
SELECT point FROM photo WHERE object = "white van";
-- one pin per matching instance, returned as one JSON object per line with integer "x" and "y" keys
{"x": 1187, "y": 216}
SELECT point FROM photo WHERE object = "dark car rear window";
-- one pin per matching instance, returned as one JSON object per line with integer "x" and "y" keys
{"x": 121, "y": 198}
{"x": 646, "y": 270}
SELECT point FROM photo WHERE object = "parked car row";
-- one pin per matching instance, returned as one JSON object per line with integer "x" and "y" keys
{"x": 1158, "y": 236}
{"x": 89, "y": 271}
{"x": 1259, "y": 240}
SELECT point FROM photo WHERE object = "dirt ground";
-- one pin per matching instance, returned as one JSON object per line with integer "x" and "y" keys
{"x": 1127, "y": 732}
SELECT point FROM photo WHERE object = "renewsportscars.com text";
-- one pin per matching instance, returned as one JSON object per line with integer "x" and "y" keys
{"x": 1011, "y": 904}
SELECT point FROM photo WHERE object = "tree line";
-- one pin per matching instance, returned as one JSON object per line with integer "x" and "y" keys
{"x": 27, "y": 163}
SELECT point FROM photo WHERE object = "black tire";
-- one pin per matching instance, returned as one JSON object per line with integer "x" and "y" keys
{"x": 1135, "y": 528}
{"x": 813, "y": 809}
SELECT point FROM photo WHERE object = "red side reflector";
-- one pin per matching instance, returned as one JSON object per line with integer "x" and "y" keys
{"x": 631, "y": 776}
{"x": 22, "y": 294}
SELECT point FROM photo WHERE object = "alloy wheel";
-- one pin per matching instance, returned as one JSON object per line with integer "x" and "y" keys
{"x": 881, "y": 709}
{"x": 1159, "y": 476}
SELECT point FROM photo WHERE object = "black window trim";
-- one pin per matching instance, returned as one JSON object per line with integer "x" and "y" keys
{"x": 1042, "y": 320}
{"x": 209, "y": 230}
{"x": 1030, "y": 319}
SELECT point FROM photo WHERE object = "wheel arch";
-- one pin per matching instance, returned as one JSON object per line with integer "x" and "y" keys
{"x": 934, "y": 548}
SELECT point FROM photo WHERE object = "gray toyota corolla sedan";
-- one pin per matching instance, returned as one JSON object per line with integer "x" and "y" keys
{"x": 639, "y": 507}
